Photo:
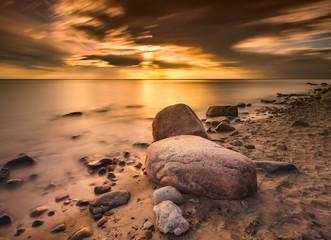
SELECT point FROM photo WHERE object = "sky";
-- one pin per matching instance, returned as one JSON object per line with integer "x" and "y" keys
{"x": 160, "y": 39}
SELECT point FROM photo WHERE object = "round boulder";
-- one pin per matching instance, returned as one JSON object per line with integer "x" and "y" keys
{"x": 176, "y": 120}
{"x": 196, "y": 165}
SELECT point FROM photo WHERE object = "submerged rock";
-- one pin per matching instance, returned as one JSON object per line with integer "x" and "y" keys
{"x": 20, "y": 162}
{"x": 169, "y": 218}
{"x": 199, "y": 166}
{"x": 73, "y": 114}
{"x": 109, "y": 200}
{"x": 167, "y": 193}
{"x": 274, "y": 166}
{"x": 38, "y": 211}
{"x": 217, "y": 111}
{"x": 300, "y": 123}
{"x": 5, "y": 220}
{"x": 214, "y": 122}
{"x": 94, "y": 164}
{"x": 175, "y": 120}
{"x": 82, "y": 233}
{"x": 59, "y": 228}
{"x": 224, "y": 127}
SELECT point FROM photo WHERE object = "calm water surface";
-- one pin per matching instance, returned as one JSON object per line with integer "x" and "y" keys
{"x": 30, "y": 121}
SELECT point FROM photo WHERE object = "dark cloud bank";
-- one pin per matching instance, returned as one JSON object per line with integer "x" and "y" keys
{"x": 216, "y": 27}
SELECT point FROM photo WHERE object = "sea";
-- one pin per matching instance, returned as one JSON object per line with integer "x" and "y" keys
{"x": 115, "y": 115}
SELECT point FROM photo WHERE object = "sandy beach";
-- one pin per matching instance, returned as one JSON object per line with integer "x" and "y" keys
{"x": 288, "y": 204}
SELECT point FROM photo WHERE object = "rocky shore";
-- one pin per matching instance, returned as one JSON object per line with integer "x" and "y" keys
{"x": 232, "y": 175}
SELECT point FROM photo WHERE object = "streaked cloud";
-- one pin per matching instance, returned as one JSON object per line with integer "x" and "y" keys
{"x": 145, "y": 38}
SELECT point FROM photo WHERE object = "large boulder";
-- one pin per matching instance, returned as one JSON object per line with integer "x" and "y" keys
{"x": 326, "y": 99}
{"x": 169, "y": 218}
{"x": 177, "y": 120}
{"x": 217, "y": 111}
{"x": 196, "y": 165}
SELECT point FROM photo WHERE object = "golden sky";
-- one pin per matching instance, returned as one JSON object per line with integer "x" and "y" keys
{"x": 165, "y": 39}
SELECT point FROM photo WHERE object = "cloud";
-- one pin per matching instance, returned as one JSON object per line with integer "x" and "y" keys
{"x": 115, "y": 60}
{"x": 253, "y": 38}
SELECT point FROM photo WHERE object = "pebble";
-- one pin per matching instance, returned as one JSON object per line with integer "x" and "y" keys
{"x": 82, "y": 203}
{"x": 50, "y": 213}
{"x": 138, "y": 165}
{"x": 61, "y": 197}
{"x": 102, "y": 171}
{"x": 234, "y": 133}
{"x": 19, "y": 230}
{"x": 122, "y": 163}
{"x": 59, "y": 228}
{"x": 38, "y": 211}
{"x": 82, "y": 233}
{"x": 37, "y": 223}
{"x": 148, "y": 225}
{"x": 111, "y": 175}
{"x": 250, "y": 146}
{"x": 102, "y": 222}
{"x": 5, "y": 220}
{"x": 237, "y": 143}
{"x": 126, "y": 154}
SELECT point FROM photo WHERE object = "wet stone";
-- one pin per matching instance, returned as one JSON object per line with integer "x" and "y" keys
{"x": 59, "y": 228}
{"x": 37, "y": 223}
{"x": 126, "y": 154}
{"x": 61, "y": 197}
{"x": 50, "y": 213}
{"x": 22, "y": 161}
{"x": 4, "y": 173}
{"x": 5, "y": 220}
{"x": 19, "y": 231}
{"x": 82, "y": 203}
{"x": 102, "y": 189}
{"x": 122, "y": 163}
{"x": 138, "y": 165}
{"x": 110, "y": 176}
{"x": 38, "y": 211}
{"x": 12, "y": 183}
{"x": 102, "y": 171}
{"x": 102, "y": 222}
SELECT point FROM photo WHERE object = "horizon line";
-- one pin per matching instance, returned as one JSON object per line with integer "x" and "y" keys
{"x": 165, "y": 78}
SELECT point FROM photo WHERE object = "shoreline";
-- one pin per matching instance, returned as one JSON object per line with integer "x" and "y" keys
{"x": 288, "y": 205}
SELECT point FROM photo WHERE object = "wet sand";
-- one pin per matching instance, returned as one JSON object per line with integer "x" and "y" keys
{"x": 287, "y": 205}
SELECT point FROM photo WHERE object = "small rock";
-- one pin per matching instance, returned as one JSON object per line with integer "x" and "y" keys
{"x": 169, "y": 218}
{"x": 14, "y": 182}
{"x": 50, "y": 213}
{"x": 102, "y": 222}
{"x": 141, "y": 145}
{"x": 33, "y": 177}
{"x": 282, "y": 147}
{"x": 148, "y": 225}
{"x": 111, "y": 168}
{"x": 20, "y": 162}
{"x": 73, "y": 114}
{"x": 138, "y": 165}
{"x": 214, "y": 122}
{"x": 75, "y": 137}
{"x": 147, "y": 235}
{"x": 241, "y": 105}
{"x": 122, "y": 163}
{"x": 268, "y": 101}
{"x": 36, "y": 212}
{"x": 224, "y": 127}
{"x": 110, "y": 200}
{"x": 82, "y": 233}
{"x": 237, "y": 143}
{"x": 19, "y": 230}
{"x": 5, "y": 220}
{"x": 97, "y": 217}
{"x": 102, "y": 189}
{"x": 300, "y": 123}
{"x": 111, "y": 175}
{"x": 82, "y": 203}
{"x": 217, "y": 111}
{"x": 167, "y": 193}
{"x": 234, "y": 133}
{"x": 96, "y": 164}
{"x": 4, "y": 173}
{"x": 59, "y": 228}
{"x": 250, "y": 146}
{"x": 61, "y": 197}
{"x": 102, "y": 171}
{"x": 274, "y": 166}
{"x": 67, "y": 202}
{"x": 37, "y": 223}
{"x": 126, "y": 154}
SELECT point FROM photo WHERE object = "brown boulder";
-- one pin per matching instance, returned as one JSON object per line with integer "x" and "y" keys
{"x": 217, "y": 111}
{"x": 176, "y": 120}
{"x": 196, "y": 165}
